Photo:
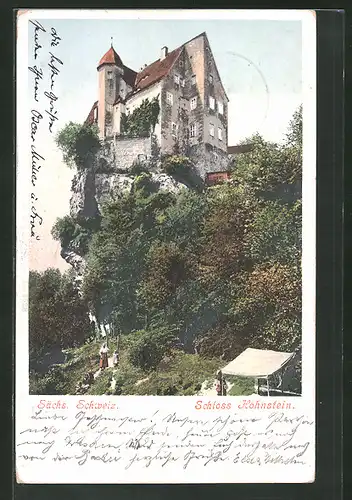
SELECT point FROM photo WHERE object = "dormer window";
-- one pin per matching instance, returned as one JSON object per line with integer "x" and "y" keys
{"x": 169, "y": 98}
{"x": 193, "y": 103}
{"x": 193, "y": 79}
{"x": 211, "y": 102}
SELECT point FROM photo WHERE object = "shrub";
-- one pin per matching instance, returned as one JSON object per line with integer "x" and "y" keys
{"x": 145, "y": 185}
{"x": 148, "y": 347}
{"x": 142, "y": 121}
{"x": 78, "y": 143}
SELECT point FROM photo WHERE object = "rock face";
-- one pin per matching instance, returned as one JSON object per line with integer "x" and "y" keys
{"x": 101, "y": 181}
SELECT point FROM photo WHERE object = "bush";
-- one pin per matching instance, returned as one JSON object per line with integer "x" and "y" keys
{"x": 145, "y": 185}
{"x": 141, "y": 122}
{"x": 76, "y": 235}
{"x": 180, "y": 168}
{"x": 148, "y": 347}
{"x": 78, "y": 143}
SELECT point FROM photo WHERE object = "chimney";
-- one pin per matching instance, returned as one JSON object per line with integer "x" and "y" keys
{"x": 164, "y": 52}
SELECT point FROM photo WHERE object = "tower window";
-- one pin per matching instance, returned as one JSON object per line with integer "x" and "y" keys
{"x": 220, "y": 134}
{"x": 211, "y": 130}
{"x": 110, "y": 75}
{"x": 211, "y": 102}
{"x": 220, "y": 107}
{"x": 193, "y": 130}
{"x": 193, "y": 79}
{"x": 193, "y": 102}
{"x": 169, "y": 98}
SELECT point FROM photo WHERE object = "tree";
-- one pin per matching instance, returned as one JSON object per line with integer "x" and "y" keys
{"x": 79, "y": 144}
{"x": 148, "y": 347}
{"x": 57, "y": 315}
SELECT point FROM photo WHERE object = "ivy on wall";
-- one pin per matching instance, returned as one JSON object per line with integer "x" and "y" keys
{"x": 142, "y": 121}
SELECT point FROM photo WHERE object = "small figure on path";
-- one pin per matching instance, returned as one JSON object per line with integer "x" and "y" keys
{"x": 221, "y": 384}
{"x": 104, "y": 363}
{"x": 115, "y": 358}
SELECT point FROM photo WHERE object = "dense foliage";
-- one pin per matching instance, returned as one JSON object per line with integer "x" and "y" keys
{"x": 75, "y": 234}
{"x": 223, "y": 266}
{"x": 78, "y": 143}
{"x": 142, "y": 121}
{"x": 58, "y": 317}
{"x": 211, "y": 271}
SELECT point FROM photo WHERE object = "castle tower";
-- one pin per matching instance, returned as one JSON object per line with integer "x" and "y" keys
{"x": 110, "y": 70}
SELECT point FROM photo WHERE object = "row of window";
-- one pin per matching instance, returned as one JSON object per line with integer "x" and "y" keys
{"x": 193, "y": 102}
{"x": 193, "y": 130}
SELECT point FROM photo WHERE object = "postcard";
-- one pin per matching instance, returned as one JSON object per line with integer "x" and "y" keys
{"x": 165, "y": 246}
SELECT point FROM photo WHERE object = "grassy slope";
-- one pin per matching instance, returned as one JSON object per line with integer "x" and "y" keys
{"x": 179, "y": 374}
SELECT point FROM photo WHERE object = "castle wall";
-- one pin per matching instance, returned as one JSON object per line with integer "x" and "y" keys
{"x": 123, "y": 152}
{"x": 207, "y": 159}
{"x": 213, "y": 117}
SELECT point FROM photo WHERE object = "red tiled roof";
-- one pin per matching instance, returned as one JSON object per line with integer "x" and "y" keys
{"x": 156, "y": 71}
{"x": 90, "y": 118}
{"x": 111, "y": 57}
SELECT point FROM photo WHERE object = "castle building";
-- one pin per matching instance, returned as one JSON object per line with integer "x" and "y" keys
{"x": 193, "y": 117}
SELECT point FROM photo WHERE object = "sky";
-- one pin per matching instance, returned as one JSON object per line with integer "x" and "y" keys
{"x": 259, "y": 61}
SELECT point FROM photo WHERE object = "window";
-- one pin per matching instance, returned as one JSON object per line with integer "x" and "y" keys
{"x": 211, "y": 102}
{"x": 220, "y": 134}
{"x": 174, "y": 128}
{"x": 169, "y": 98}
{"x": 193, "y": 103}
{"x": 220, "y": 107}
{"x": 177, "y": 79}
{"x": 211, "y": 79}
{"x": 211, "y": 130}
{"x": 182, "y": 82}
{"x": 180, "y": 63}
{"x": 193, "y": 79}
{"x": 193, "y": 130}
{"x": 109, "y": 74}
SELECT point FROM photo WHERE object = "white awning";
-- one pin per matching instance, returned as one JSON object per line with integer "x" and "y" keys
{"x": 257, "y": 363}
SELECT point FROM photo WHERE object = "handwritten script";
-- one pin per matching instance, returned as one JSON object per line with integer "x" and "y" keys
{"x": 44, "y": 70}
{"x": 162, "y": 439}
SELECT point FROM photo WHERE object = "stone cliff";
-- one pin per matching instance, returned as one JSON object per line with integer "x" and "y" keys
{"x": 106, "y": 177}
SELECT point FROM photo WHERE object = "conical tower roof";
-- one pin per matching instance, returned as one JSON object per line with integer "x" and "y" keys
{"x": 111, "y": 57}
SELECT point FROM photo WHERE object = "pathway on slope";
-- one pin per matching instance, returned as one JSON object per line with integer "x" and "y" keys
{"x": 110, "y": 365}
